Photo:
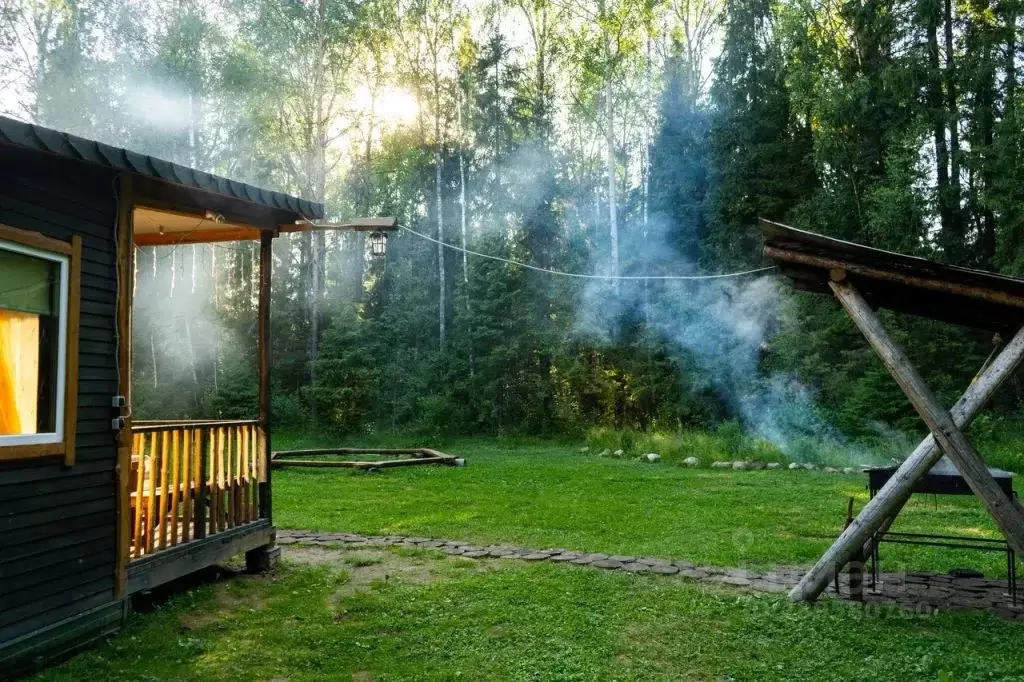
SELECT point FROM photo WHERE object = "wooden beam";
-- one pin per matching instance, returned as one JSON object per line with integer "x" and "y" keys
{"x": 199, "y": 236}
{"x": 357, "y": 225}
{"x": 385, "y": 464}
{"x": 877, "y": 515}
{"x": 35, "y": 240}
{"x": 163, "y": 567}
{"x": 71, "y": 361}
{"x": 263, "y": 353}
{"x": 966, "y": 290}
{"x": 1006, "y": 514}
{"x": 125, "y": 286}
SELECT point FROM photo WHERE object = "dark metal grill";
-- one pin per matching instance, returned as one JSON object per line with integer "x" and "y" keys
{"x": 942, "y": 479}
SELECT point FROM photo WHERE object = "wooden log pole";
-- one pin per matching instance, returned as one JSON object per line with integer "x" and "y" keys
{"x": 263, "y": 352}
{"x": 879, "y": 512}
{"x": 202, "y": 482}
{"x": 951, "y": 439}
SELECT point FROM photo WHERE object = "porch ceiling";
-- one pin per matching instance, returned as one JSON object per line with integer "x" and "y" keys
{"x": 154, "y": 227}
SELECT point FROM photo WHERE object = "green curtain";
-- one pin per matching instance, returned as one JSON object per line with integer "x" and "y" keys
{"x": 27, "y": 283}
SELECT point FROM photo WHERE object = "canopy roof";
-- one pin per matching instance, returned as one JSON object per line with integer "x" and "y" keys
{"x": 178, "y": 193}
{"x": 918, "y": 286}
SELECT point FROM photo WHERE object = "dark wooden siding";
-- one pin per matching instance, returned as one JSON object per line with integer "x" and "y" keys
{"x": 57, "y": 524}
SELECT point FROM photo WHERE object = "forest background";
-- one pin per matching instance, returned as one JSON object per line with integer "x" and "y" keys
{"x": 608, "y": 138}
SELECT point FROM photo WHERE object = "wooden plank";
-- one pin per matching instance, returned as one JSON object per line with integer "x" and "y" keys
{"x": 202, "y": 482}
{"x": 154, "y": 462}
{"x": 234, "y": 453}
{"x": 175, "y": 484}
{"x": 35, "y": 240}
{"x": 188, "y": 483}
{"x": 220, "y": 501}
{"x": 22, "y": 655}
{"x": 246, "y": 477}
{"x": 123, "y": 331}
{"x": 185, "y": 559}
{"x": 16, "y": 452}
{"x": 359, "y": 451}
{"x": 71, "y": 362}
{"x": 161, "y": 522}
{"x": 324, "y": 464}
{"x": 880, "y": 510}
{"x": 952, "y": 441}
{"x": 137, "y": 540}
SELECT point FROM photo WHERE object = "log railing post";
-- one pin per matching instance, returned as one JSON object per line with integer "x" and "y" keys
{"x": 202, "y": 477}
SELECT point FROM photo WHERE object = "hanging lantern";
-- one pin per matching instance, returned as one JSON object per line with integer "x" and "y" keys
{"x": 378, "y": 244}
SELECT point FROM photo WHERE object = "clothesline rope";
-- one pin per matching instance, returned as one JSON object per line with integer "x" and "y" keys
{"x": 578, "y": 275}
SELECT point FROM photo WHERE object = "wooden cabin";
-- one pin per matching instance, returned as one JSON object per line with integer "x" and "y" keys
{"x": 94, "y": 506}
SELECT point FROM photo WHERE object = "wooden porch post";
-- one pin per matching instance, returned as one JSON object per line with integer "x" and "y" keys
{"x": 263, "y": 350}
{"x": 125, "y": 257}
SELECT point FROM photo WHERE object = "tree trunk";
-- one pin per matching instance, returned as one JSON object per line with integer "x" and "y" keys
{"x": 441, "y": 285}
{"x": 953, "y": 122}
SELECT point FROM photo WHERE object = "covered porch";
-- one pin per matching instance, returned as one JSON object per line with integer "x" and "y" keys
{"x": 198, "y": 491}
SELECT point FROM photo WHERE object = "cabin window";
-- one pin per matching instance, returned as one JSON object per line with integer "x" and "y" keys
{"x": 35, "y": 303}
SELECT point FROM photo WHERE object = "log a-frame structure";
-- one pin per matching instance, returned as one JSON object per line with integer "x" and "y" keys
{"x": 96, "y": 506}
{"x": 863, "y": 279}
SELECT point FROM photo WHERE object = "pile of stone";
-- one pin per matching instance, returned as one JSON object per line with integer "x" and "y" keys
{"x": 736, "y": 465}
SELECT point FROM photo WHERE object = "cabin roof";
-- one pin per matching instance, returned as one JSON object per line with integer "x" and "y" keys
{"x": 975, "y": 298}
{"x": 47, "y": 140}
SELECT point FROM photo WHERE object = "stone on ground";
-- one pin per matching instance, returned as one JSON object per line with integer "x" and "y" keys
{"x": 652, "y": 457}
{"x": 740, "y": 465}
{"x": 773, "y": 465}
{"x": 793, "y": 466}
{"x": 691, "y": 461}
{"x": 721, "y": 465}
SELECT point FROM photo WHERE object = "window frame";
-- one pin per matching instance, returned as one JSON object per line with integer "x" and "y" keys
{"x": 69, "y": 257}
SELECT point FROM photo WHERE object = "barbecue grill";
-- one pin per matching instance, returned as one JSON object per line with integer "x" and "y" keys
{"x": 943, "y": 479}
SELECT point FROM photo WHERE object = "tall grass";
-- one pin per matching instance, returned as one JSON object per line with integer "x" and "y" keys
{"x": 728, "y": 442}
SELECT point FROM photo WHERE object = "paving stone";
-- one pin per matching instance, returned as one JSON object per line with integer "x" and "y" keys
{"x": 664, "y": 569}
{"x": 606, "y": 563}
{"x": 765, "y": 586}
{"x": 916, "y": 592}
{"x": 565, "y": 556}
{"x": 499, "y": 553}
{"x": 728, "y": 579}
{"x": 694, "y": 573}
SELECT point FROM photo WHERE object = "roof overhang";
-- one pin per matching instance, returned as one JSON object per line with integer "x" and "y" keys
{"x": 907, "y": 284}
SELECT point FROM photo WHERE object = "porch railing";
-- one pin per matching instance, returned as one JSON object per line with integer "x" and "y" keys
{"x": 193, "y": 479}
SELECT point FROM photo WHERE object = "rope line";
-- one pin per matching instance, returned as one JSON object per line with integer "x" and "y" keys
{"x": 581, "y": 275}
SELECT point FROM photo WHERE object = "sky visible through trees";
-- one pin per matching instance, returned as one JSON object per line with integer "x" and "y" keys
{"x": 611, "y": 137}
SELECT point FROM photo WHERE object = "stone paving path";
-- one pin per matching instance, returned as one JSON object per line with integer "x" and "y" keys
{"x": 918, "y": 592}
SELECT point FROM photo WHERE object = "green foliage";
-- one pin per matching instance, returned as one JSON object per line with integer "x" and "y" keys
{"x": 855, "y": 120}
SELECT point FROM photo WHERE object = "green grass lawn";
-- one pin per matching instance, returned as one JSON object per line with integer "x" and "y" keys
{"x": 550, "y": 495}
{"x": 416, "y": 615}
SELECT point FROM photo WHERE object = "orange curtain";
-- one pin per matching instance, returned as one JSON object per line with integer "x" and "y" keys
{"x": 19, "y": 372}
